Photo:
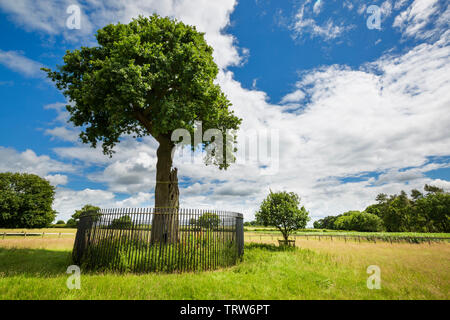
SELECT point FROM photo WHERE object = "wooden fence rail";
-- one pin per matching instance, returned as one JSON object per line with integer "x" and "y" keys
{"x": 25, "y": 234}
{"x": 356, "y": 238}
{"x": 273, "y": 237}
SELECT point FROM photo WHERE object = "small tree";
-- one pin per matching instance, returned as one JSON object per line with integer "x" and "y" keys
{"x": 25, "y": 201}
{"x": 123, "y": 222}
{"x": 208, "y": 220}
{"x": 86, "y": 210}
{"x": 71, "y": 223}
{"x": 281, "y": 210}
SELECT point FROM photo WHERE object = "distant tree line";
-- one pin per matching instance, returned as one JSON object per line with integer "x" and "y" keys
{"x": 253, "y": 223}
{"x": 419, "y": 212}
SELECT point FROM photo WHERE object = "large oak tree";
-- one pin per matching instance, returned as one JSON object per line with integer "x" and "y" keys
{"x": 149, "y": 77}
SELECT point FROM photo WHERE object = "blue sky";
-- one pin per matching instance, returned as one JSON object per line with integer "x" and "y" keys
{"x": 358, "y": 111}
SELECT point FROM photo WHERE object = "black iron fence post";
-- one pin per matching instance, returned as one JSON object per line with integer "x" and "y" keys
{"x": 240, "y": 234}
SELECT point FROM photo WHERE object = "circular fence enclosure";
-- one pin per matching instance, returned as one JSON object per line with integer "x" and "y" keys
{"x": 158, "y": 240}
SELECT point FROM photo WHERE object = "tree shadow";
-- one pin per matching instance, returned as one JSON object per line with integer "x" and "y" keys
{"x": 33, "y": 262}
{"x": 268, "y": 247}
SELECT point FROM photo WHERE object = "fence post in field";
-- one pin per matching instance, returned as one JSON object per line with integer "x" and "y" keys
{"x": 240, "y": 234}
{"x": 59, "y": 235}
{"x": 4, "y": 234}
{"x": 43, "y": 234}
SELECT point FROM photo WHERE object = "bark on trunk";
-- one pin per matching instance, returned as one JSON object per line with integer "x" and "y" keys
{"x": 165, "y": 220}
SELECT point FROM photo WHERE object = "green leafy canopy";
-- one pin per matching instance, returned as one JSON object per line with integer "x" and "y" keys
{"x": 282, "y": 210}
{"x": 25, "y": 201}
{"x": 148, "y": 77}
{"x": 429, "y": 212}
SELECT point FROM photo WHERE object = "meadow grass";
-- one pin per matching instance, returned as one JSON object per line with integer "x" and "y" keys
{"x": 404, "y": 266}
{"x": 35, "y": 269}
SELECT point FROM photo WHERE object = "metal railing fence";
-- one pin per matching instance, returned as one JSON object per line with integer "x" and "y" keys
{"x": 152, "y": 240}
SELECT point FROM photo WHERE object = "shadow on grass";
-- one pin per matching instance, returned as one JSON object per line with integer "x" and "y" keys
{"x": 33, "y": 262}
{"x": 50, "y": 263}
{"x": 268, "y": 247}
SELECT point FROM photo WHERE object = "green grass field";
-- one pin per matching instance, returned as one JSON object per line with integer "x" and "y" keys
{"x": 35, "y": 268}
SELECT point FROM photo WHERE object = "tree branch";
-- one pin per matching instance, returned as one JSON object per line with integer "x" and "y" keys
{"x": 142, "y": 119}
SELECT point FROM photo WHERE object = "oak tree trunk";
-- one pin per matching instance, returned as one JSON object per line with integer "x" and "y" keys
{"x": 165, "y": 219}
